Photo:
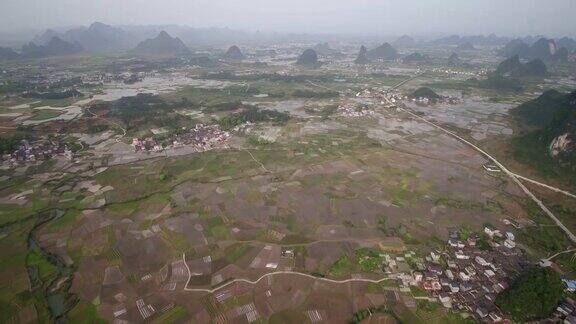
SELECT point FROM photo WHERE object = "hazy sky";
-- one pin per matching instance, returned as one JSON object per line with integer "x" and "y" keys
{"x": 420, "y": 17}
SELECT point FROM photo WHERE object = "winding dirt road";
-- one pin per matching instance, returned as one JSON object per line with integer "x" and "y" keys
{"x": 276, "y": 273}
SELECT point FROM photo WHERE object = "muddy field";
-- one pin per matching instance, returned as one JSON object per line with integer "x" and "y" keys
{"x": 182, "y": 235}
{"x": 324, "y": 201}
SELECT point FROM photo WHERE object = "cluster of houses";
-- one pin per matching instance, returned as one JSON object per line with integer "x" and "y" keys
{"x": 395, "y": 96}
{"x": 201, "y": 138}
{"x": 46, "y": 78}
{"x": 98, "y": 78}
{"x": 389, "y": 99}
{"x": 49, "y": 79}
{"x": 37, "y": 151}
{"x": 130, "y": 78}
{"x": 352, "y": 110}
{"x": 424, "y": 101}
{"x": 146, "y": 145}
{"x": 366, "y": 93}
{"x": 566, "y": 310}
{"x": 468, "y": 274}
{"x": 392, "y": 95}
{"x": 478, "y": 73}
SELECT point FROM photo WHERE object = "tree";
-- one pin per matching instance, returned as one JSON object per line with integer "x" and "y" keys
{"x": 533, "y": 295}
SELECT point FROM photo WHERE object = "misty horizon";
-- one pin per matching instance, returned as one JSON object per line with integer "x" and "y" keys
{"x": 363, "y": 17}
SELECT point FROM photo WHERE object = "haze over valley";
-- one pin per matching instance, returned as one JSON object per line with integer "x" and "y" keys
{"x": 287, "y": 162}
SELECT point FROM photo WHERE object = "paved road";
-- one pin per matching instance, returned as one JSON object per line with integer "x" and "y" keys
{"x": 569, "y": 194}
{"x": 512, "y": 175}
{"x": 564, "y": 192}
{"x": 405, "y": 81}
{"x": 515, "y": 177}
{"x": 290, "y": 273}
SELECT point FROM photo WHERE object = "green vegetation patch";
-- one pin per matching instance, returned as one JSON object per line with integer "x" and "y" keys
{"x": 253, "y": 115}
{"x": 45, "y": 269}
{"x": 309, "y": 94}
{"x": 547, "y": 117}
{"x": 489, "y": 206}
{"x": 369, "y": 260}
{"x": 341, "y": 267}
{"x": 65, "y": 220}
{"x": 497, "y": 82}
{"x": 530, "y": 149}
{"x": 217, "y": 228}
{"x": 288, "y": 316}
{"x": 84, "y": 313}
{"x": 178, "y": 241}
{"x": 123, "y": 209}
{"x": 425, "y": 92}
{"x": 42, "y": 114}
{"x": 234, "y": 252}
{"x": 8, "y": 312}
{"x": 9, "y": 143}
{"x": 545, "y": 237}
{"x": 144, "y": 110}
{"x": 532, "y": 296}
{"x": 360, "y": 315}
{"x": 14, "y": 212}
{"x": 174, "y": 315}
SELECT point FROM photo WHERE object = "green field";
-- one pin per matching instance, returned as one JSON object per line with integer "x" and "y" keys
{"x": 42, "y": 114}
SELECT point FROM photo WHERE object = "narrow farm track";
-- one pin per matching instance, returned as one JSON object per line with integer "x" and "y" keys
{"x": 258, "y": 162}
{"x": 110, "y": 122}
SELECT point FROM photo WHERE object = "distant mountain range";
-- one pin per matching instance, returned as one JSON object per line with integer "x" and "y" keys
{"x": 46, "y": 37}
{"x": 465, "y": 46}
{"x": 161, "y": 45}
{"x": 383, "y": 52}
{"x": 544, "y": 49}
{"x": 513, "y": 67}
{"x": 54, "y": 47}
{"x": 101, "y": 38}
{"x": 515, "y": 47}
{"x": 8, "y": 54}
{"x": 97, "y": 38}
{"x": 475, "y": 40}
{"x": 324, "y": 49}
{"x": 404, "y": 41}
{"x": 512, "y": 46}
{"x": 415, "y": 58}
